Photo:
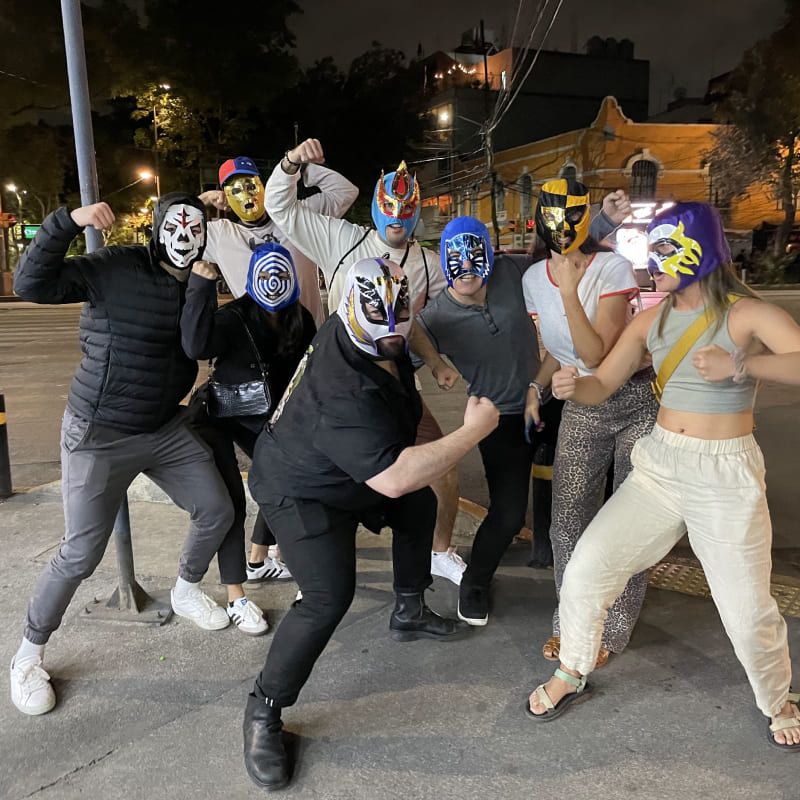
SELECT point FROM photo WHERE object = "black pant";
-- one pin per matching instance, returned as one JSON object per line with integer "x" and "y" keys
{"x": 220, "y": 435}
{"x": 319, "y": 545}
{"x": 507, "y": 459}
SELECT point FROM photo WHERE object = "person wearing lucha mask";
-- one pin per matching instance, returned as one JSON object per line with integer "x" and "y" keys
{"x": 339, "y": 451}
{"x": 268, "y": 323}
{"x": 481, "y": 325}
{"x": 230, "y": 242}
{"x": 123, "y": 415}
{"x": 335, "y": 245}
{"x": 699, "y": 471}
{"x": 581, "y": 297}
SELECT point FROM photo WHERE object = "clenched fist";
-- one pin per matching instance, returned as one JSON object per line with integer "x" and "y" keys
{"x": 98, "y": 215}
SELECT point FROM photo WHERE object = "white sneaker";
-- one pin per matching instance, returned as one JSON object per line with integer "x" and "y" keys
{"x": 31, "y": 691}
{"x": 448, "y": 565}
{"x": 273, "y": 569}
{"x": 247, "y": 617}
{"x": 200, "y": 609}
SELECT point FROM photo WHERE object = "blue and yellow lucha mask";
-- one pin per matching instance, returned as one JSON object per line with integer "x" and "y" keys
{"x": 272, "y": 278}
{"x": 562, "y": 215}
{"x": 396, "y": 201}
{"x": 375, "y": 303}
{"x": 687, "y": 241}
{"x": 466, "y": 239}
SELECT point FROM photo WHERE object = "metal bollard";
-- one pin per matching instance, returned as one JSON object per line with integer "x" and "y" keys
{"x": 5, "y": 459}
{"x": 129, "y": 602}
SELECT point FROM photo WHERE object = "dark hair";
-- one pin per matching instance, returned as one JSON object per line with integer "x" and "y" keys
{"x": 538, "y": 250}
{"x": 289, "y": 322}
{"x": 716, "y": 287}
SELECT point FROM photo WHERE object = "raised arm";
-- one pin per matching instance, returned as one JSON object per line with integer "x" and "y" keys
{"x": 616, "y": 206}
{"x": 336, "y": 193}
{"x": 755, "y": 322}
{"x": 624, "y": 359}
{"x": 323, "y": 239}
{"x": 201, "y": 334}
{"x": 45, "y": 274}
{"x": 592, "y": 340}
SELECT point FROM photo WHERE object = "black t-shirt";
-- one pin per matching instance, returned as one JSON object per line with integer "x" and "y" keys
{"x": 342, "y": 420}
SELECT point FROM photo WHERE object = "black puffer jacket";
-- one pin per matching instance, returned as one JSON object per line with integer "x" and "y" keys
{"x": 134, "y": 372}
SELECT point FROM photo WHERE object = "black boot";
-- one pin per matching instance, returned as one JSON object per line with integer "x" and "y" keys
{"x": 264, "y": 753}
{"x": 412, "y": 619}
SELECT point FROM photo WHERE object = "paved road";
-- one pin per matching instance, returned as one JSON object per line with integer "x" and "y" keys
{"x": 38, "y": 354}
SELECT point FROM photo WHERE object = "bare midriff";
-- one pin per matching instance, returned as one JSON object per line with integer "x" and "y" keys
{"x": 707, "y": 426}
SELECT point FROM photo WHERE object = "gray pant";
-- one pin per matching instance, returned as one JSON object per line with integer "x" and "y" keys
{"x": 97, "y": 466}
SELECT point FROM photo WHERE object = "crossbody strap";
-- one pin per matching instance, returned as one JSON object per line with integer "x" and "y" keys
{"x": 341, "y": 260}
{"x": 683, "y": 346}
{"x": 252, "y": 344}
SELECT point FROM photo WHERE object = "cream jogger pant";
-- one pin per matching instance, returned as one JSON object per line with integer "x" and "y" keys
{"x": 715, "y": 491}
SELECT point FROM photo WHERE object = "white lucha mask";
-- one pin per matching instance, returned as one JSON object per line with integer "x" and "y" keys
{"x": 375, "y": 304}
{"x": 182, "y": 235}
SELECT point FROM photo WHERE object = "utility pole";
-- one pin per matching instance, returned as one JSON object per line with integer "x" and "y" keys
{"x": 488, "y": 142}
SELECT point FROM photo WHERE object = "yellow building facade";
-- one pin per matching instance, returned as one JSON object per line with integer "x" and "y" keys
{"x": 654, "y": 162}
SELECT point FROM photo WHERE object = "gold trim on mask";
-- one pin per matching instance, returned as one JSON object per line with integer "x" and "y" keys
{"x": 355, "y": 326}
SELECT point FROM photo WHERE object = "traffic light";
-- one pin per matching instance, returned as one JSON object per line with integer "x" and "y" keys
{"x": 529, "y": 226}
{"x": 8, "y": 220}
{"x": 512, "y": 225}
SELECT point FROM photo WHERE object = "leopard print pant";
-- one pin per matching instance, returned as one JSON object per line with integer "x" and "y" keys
{"x": 589, "y": 440}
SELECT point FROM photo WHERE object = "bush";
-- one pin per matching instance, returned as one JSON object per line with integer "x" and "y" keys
{"x": 766, "y": 268}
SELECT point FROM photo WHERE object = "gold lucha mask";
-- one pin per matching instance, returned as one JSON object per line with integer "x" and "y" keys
{"x": 562, "y": 215}
{"x": 245, "y": 194}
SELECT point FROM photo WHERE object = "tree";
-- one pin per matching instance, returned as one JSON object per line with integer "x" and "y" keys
{"x": 758, "y": 143}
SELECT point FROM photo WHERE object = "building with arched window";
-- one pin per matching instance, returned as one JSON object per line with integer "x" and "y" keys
{"x": 655, "y": 162}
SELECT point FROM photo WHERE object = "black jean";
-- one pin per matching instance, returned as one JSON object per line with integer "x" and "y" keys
{"x": 507, "y": 459}
{"x": 220, "y": 435}
{"x": 319, "y": 545}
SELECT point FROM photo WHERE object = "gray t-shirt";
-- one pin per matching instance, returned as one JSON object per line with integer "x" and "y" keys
{"x": 494, "y": 345}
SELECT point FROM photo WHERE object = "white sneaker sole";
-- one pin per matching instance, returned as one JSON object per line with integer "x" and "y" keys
{"x": 477, "y": 622}
{"x": 34, "y": 711}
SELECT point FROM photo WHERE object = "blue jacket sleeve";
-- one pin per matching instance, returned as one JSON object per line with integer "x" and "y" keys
{"x": 44, "y": 273}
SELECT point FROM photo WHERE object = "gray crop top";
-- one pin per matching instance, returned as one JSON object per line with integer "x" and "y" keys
{"x": 686, "y": 390}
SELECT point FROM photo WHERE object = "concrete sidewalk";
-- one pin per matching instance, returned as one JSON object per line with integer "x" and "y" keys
{"x": 156, "y": 711}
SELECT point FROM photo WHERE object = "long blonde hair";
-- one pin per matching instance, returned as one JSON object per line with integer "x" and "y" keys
{"x": 716, "y": 287}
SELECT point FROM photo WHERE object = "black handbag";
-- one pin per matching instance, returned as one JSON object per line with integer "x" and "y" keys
{"x": 250, "y": 399}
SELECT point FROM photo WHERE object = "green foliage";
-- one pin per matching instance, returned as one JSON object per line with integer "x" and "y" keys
{"x": 767, "y": 268}
{"x": 759, "y": 144}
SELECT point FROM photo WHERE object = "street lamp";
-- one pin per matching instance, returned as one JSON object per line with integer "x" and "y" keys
{"x": 144, "y": 175}
{"x": 13, "y": 189}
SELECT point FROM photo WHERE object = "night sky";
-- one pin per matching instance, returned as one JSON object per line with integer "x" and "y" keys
{"x": 686, "y": 41}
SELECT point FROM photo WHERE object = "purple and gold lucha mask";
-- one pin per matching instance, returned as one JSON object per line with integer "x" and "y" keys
{"x": 396, "y": 201}
{"x": 271, "y": 278}
{"x": 466, "y": 239}
{"x": 243, "y": 188}
{"x": 687, "y": 241}
{"x": 375, "y": 304}
{"x": 182, "y": 235}
{"x": 562, "y": 215}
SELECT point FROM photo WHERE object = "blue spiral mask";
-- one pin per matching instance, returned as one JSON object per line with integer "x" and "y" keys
{"x": 271, "y": 278}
